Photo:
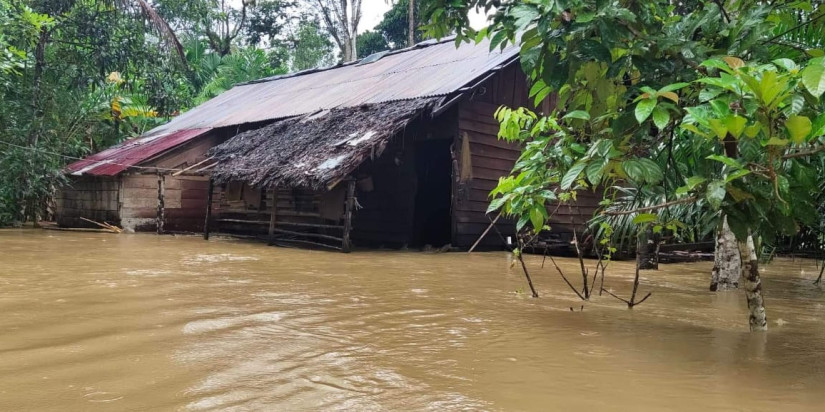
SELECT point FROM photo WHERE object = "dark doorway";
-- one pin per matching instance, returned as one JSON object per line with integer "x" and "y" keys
{"x": 433, "y": 225}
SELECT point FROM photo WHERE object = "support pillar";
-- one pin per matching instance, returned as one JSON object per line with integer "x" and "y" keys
{"x": 346, "y": 247}
{"x": 273, "y": 216}
{"x": 208, "y": 209}
{"x": 161, "y": 204}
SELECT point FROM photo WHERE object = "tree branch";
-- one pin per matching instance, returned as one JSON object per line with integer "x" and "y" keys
{"x": 803, "y": 153}
{"x": 565, "y": 278}
{"x": 649, "y": 208}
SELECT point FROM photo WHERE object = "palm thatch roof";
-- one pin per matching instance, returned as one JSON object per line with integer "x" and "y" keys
{"x": 316, "y": 150}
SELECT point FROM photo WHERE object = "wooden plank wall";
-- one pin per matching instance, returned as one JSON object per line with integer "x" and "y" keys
{"x": 139, "y": 202}
{"x": 492, "y": 158}
{"x": 91, "y": 197}
{"x": 185, "y": 203}
{"x": 244, "y": 203}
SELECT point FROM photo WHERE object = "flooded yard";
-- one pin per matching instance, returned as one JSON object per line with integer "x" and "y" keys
{"x": 94, "y": 322}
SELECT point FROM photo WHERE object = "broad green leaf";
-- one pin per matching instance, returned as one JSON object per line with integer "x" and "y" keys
{"x": 585, "y": 17}
{"x": 736, "y": 175}
{"x": 690, "y": 184}
{"x": 651, "y": 171}
{"x": 694, "y": 129}
{"x": 718, "y": 128}
{"x": 735, "y": 125}
{"x": 496, "y": 204}
{"x": 752, "y": 84}
{"x": 709, "y": 94}
{"x": 798, "y": 128}
{"x": 577, "y": 114}
{"x": 796, "y": 106}
{"x": 673, "y": 87}
{"x": 661, "y": 117}
{"x": 644, "y": 108}
{"x": 522, "y": 221}
{"x": 523, "y": 15}
{"x": 818, "y": 126}
{"x": 594, "y": 172}
{"x": 771, "y": 85}
{"x": 694, "y": 181}
{"x": 645, "y": 218}
{"x": 783, "y": 184}
{"x": 716, "y": 193}
{"x": 813, "y": 77}
{"x": 753, "y": 130}
{"x": 726, "y": 160}
{"x": 786, "y": 64}
{"x": 536, "y": 219}
{"x": 498, "y": 40}
{"x": 593, "y": 50}
{"x": 717, "y": 64}
{"x": 572, "y": 174}
{"x": 541, "y": 95}
{"x": 633, "y": 170}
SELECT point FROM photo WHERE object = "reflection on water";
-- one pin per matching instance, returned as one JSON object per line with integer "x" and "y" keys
{"x": 141, "y": 322}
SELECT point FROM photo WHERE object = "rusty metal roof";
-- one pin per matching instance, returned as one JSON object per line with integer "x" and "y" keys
{"x": 131, "y": 152}
{"x": 428, "y": 69}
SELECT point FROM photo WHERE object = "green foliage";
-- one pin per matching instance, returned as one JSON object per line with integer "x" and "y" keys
{"x": 762, "y": 116}
{"x": 650, "y": 93}
{"x": 370, "y": 42}
{"x": 79, "y": 76}
{"x": 310, "y": 48}
{"x": 394, "y": 27}
{"x": 244, "y": 65}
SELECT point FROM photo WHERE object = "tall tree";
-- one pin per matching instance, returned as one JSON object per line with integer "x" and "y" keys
{"x": 341, "y": 19}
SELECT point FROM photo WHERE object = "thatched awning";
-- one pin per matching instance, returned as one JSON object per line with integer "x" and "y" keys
{"x": 316, "y": 150}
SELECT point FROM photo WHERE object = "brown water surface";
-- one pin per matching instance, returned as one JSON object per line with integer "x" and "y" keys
{"x": 101, "y": 322}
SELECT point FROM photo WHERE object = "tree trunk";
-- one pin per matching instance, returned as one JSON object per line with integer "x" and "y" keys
{"x": 39, "y": 66}
{"x": 726, "y": 261}
{"x": 348, "y": 49}
{"x": 411, "y": 24}
{"x": 648, "y": 250}
{"x": 752, "y": 284}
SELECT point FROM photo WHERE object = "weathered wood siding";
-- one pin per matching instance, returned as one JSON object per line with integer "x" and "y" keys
{"x": 90, "y": 197}
{"x": 240, "y": 209}
{"x": 185, "y": 203}
{"x": 491, "y": 159}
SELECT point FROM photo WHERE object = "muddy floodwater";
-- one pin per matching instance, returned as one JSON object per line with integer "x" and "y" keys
{"x": 104, "y": 322}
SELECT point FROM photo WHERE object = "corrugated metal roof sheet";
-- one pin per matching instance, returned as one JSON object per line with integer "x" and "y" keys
{"x": 427, "y": 70}
{"x": 131, "y": 152}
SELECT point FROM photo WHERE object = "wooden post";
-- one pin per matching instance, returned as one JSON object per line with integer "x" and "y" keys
{"x": 161, "y": 209}
{"x": 273, "y": 215}
{"x": 346, "y": 246}
{"x": 208, "y": 209}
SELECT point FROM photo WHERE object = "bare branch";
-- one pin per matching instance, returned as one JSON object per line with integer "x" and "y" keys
{"x": 163, "y": 28}
{"x": 803, "y": 153}
{"x": 565, "y": 279}
{"x": 650, "y": 208}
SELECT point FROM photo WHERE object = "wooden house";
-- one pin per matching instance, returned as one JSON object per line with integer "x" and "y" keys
{"x": 398, "y": 149}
